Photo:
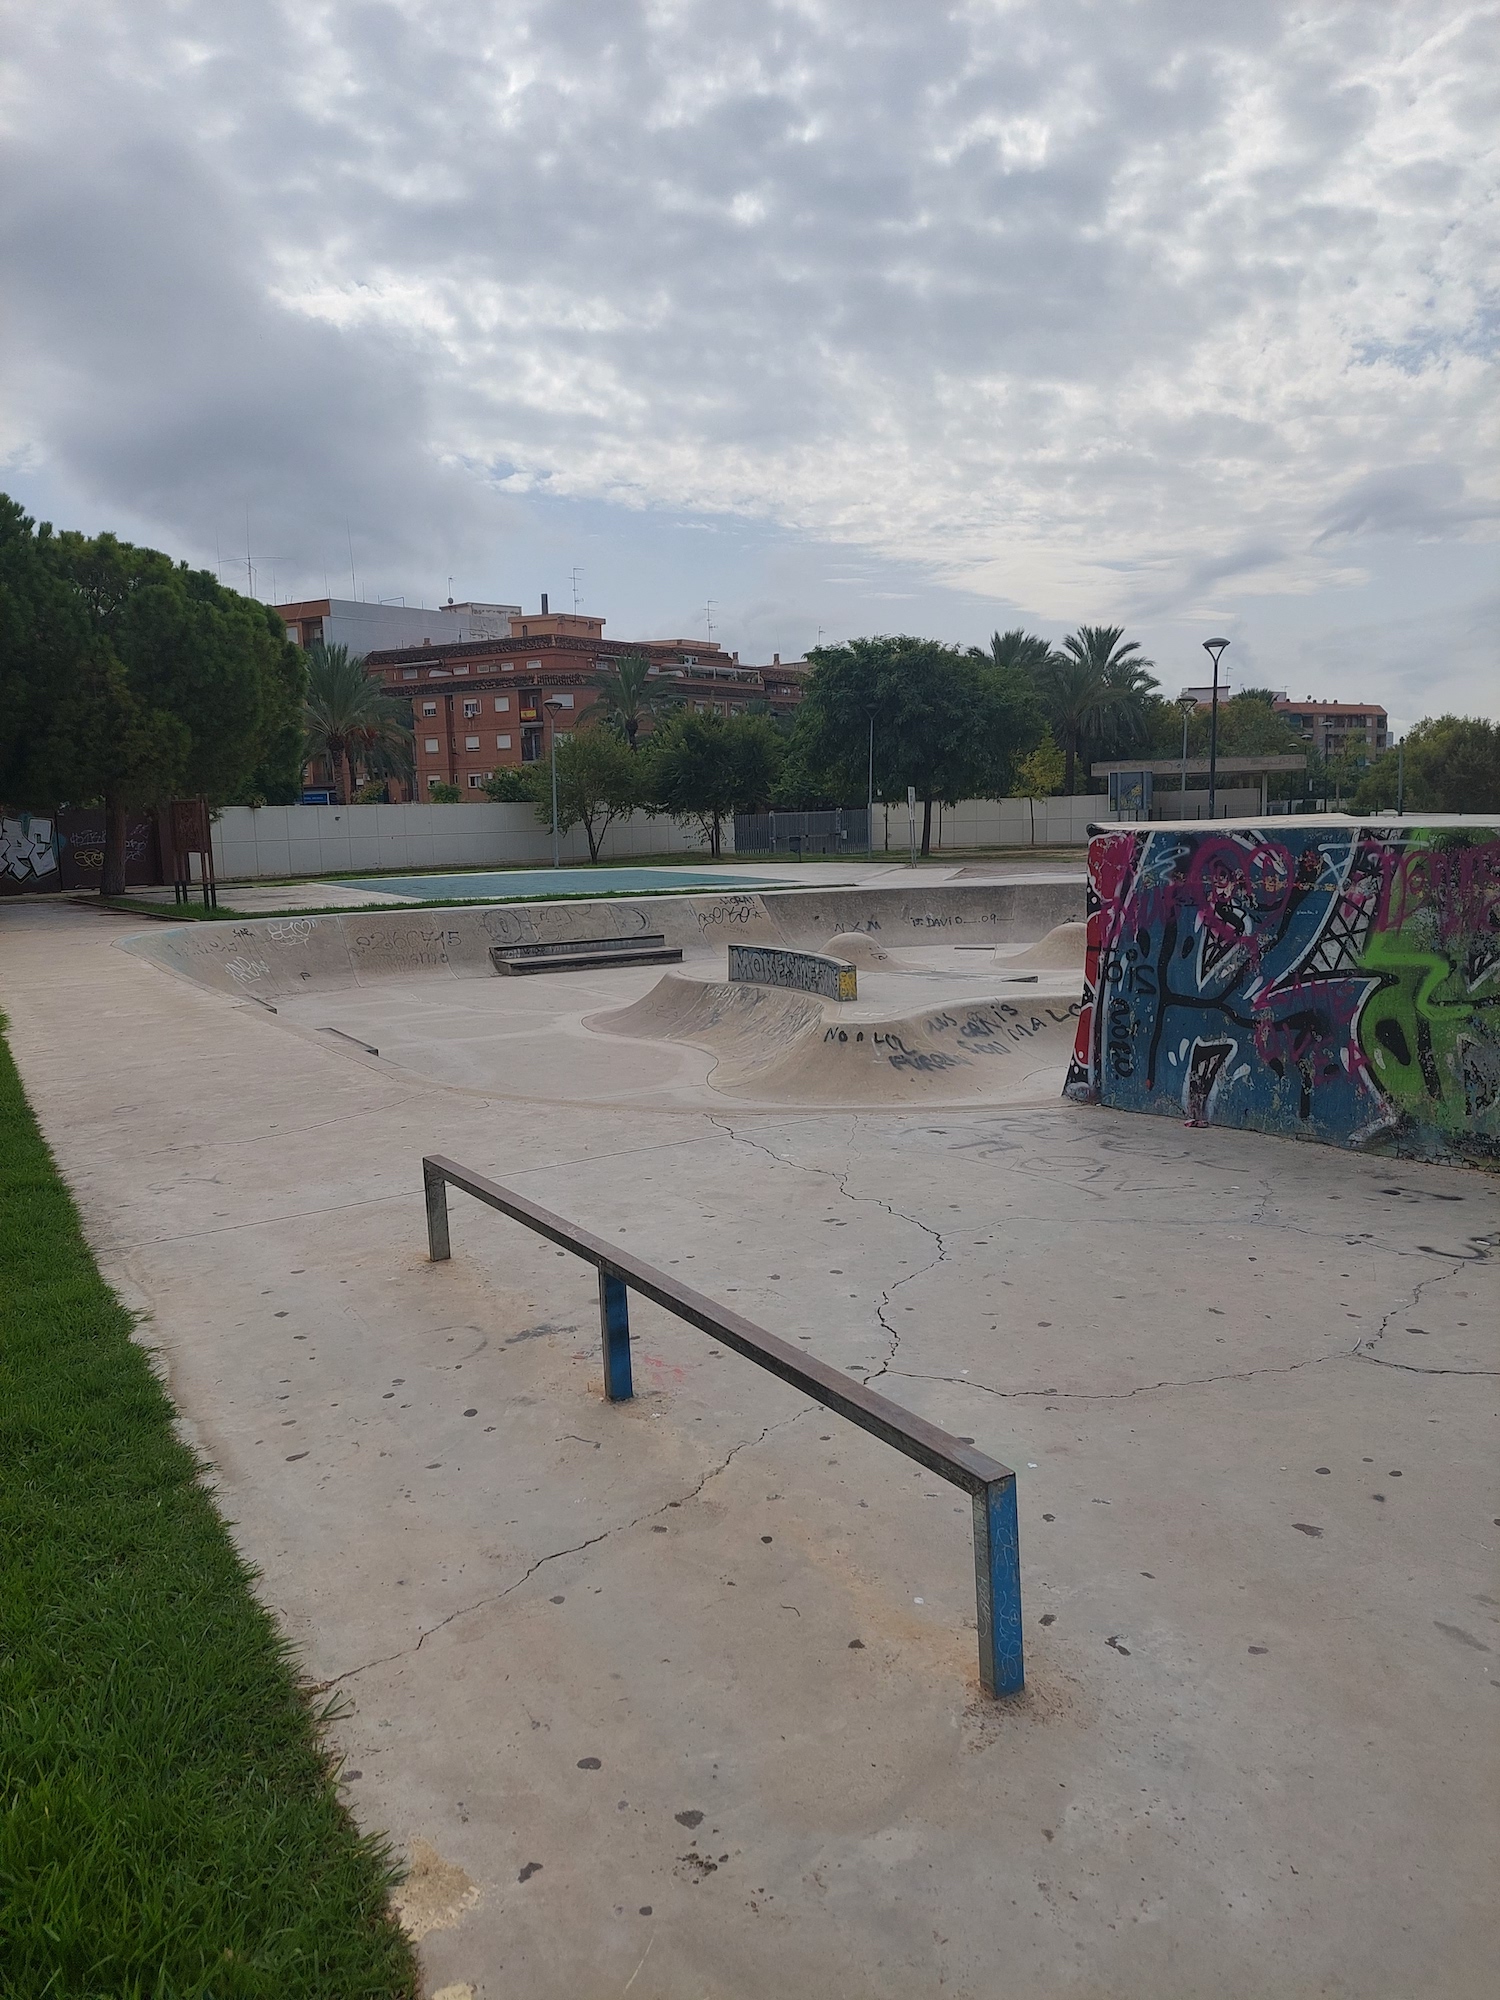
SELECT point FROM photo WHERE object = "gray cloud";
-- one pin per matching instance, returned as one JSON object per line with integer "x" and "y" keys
{"x": 1083, "y": 310}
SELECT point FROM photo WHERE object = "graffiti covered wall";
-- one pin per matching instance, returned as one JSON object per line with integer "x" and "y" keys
{"x": 1331, "y": 981}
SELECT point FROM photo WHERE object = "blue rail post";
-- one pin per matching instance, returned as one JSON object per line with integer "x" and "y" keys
{"x": 614, "y": 1325}
{"x": 997, "y": 1584}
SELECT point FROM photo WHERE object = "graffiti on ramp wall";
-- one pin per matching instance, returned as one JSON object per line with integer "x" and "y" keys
{"x": 1339, "y": 983}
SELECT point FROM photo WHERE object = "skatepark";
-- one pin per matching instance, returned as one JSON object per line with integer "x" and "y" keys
{"x": 678, "y": 1697}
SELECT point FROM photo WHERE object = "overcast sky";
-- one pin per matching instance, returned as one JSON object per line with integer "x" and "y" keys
{"x": 848, "y": 315}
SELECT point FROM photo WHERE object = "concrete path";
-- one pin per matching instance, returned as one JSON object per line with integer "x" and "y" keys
{"x": 679, "y": 1699}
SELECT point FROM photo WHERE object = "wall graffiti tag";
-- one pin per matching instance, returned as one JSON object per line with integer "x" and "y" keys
{"x": 802, "y": 971}
{"x": 1339, "y": 983}
{"x": 28, "y": 854}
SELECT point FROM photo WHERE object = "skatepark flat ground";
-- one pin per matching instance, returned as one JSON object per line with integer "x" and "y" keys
{"x": 679, "y": 1698}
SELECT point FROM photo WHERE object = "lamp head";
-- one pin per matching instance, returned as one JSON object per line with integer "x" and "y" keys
{"x": 1187, "y": 703}
{"x": 553, "y": 702}
{"x": 1215, "y": 648}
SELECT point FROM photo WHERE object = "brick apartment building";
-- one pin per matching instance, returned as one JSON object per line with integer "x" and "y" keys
{"x": 1327, "y": 727}
{"x": 1334, "y": 727}
{"x": 478, "y": 706}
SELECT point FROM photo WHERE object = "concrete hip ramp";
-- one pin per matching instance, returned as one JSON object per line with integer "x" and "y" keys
{"x": 794, "y": 1048}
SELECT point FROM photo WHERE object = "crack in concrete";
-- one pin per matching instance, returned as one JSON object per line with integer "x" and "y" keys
{"x": 1479, "y": 1252}
{"x": 556, "y": 1555}
{"x": 1121, "y": 1395}
{"x": 841, "y": 1180}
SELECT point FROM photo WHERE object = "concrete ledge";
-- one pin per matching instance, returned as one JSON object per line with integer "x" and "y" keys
{"x": 801, "y": 971}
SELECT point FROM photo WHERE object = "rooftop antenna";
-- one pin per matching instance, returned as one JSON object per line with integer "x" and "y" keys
{"x": 708, "y": 612}
{"x": 573, "y": 576}
{"x": 450, "y": 590}
{"x": 353, "y": 586}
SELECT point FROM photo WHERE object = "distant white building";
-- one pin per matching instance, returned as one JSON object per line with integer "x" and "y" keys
{"x": 373, "y": 628}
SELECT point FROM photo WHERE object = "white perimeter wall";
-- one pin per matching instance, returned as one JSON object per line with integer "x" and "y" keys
{"x": 269, "y": 842}
{"x": 997, "y": 823}
{"x": 272, "y": 842}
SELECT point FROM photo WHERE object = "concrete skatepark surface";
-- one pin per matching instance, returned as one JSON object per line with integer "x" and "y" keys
{"x": 678, "y": 1698}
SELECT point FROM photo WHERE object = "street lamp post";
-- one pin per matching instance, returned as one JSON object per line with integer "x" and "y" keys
{"x": 870, "y": 795}
{"x": 1186, "y": 703}
{"x": 1215, "y": 650}
{"x": 555, "y": 705}
{"x": 1401, "y": 775}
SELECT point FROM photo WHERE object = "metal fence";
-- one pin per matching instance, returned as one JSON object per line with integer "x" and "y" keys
{"x": 992, "y": 1486}
{"x": 844, "y": 831}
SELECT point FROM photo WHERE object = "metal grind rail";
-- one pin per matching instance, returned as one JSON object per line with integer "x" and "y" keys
{"x": 992, "y": 1486}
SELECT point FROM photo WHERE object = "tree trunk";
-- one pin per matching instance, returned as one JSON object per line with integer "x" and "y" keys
{"x": 926, "y": 829}
{"x": 344, "y": 774}
{"x": 713, "y": 839}
{"x": 112, "y": 876}
{"x": 1032, "y": 804}
{"x": 1070, "y": 765}
{"x": 593, "y": 838}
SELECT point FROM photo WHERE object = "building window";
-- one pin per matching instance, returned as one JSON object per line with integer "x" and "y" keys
{"x": 471, "y": 743}
{"x": 436, "y": 778}
{"x": 471, "y": 708}
{"x": 502, "y": 704}
{"x": 460, "y": 670}
{"x": 502, "y": 742}
{"x": 430, "y": 746}
{"x": 429, "y": 708}
{"x": 566, "y": 700}
{"x": 507, "y": 666}
{"x": 533, "y": 666}
{"x": 476, "y": 779}
{"x": 408, "y": 673}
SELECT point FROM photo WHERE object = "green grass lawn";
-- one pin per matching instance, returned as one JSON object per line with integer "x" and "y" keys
{"x": 169, "y": 1829}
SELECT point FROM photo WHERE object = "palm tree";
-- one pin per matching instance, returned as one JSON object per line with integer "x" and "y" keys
{"x": 625, "y": 696}
{"x": 1093, "y": 689}
{"x": 344, "y": 711}
{"x": 1014, "y": 649}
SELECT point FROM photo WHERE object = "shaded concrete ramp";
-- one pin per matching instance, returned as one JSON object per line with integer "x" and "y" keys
{"x": 795, "y": 1048}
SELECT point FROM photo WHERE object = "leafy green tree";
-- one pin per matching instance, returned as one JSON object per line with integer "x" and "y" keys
{"x": 598, "y": 782}
{"x": 946, "y": 722}
{"x": 441, "y": 793}
{"x": 1452, "y": 766}
{"x": 45, "y": 640}
{"x": 704, "y": 768}
{"x": 156, "y": 681}
{"x": 512, "y": 784}
{"x": 1039, "y": 776}
{"x": 627, "y": 696}
{"x": 346, "y": 715}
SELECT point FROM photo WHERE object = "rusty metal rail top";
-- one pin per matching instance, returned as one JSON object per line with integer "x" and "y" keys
{"x": 991, "y": 1485}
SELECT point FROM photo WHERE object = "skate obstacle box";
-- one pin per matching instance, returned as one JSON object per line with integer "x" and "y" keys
{"x": 990, "y": 1485}
{"x": 573, "y": 954}
{"x": 800, "y": 971}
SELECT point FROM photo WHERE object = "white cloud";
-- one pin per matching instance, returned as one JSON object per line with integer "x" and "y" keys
{"x": 1153, "y": 310}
